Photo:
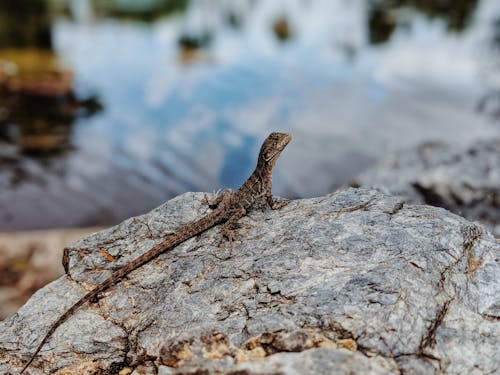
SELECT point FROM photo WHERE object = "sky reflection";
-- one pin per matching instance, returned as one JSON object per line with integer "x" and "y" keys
{"x": 178, "y": 116}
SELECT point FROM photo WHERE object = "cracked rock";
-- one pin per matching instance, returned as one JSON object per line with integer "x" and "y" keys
{"x": 352, "y": 282}
{"x": 464, "y": 180}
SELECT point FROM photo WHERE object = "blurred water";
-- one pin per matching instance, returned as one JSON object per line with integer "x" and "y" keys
{"x": 188, "y": 98}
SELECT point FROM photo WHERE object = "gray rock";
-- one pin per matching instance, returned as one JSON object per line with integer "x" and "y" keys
{"x": 352, "y": 282}
{"x": 464, "y": 180}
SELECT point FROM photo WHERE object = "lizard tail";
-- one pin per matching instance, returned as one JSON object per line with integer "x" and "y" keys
{"x": 58, "y": 322}
{"x": 89, "y": 296}
{"x": 195, "y": 228}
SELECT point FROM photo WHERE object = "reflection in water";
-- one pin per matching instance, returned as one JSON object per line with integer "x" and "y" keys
{"x": 456, "y": 13}
{"x": 24, "y": 23}
{"x": 382, "y": 23}
{"x": 383, "y": 15}
{"x": 188, "y": 98}
{"x": 140, "y": 10}
{"x": 490, "y": 101}
{"x": 145, "y": 11}
{"x": 282, "y": 29}
{"x": 38, "y": 105}
{"x": 37, "y": 102}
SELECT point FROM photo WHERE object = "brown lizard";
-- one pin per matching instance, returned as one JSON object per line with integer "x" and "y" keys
{"x": 229, "y": 208}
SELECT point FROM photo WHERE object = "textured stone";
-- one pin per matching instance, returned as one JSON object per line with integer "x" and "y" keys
{"x": 356, "y": 281}
{"x": 464, "y": 180}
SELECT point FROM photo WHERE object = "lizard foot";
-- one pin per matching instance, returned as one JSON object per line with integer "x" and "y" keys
{"x": 230, "y": 235}
{"x": 215, "y": 200}
{"x": 277, "y": 205}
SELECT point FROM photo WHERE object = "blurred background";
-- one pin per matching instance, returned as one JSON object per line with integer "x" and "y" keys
{"x": 110, "y": 107}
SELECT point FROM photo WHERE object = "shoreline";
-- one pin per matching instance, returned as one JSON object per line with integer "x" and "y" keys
{"x": 31, "y": 259}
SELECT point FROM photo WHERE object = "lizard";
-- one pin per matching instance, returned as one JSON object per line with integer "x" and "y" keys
{"x": 228, "y": 208}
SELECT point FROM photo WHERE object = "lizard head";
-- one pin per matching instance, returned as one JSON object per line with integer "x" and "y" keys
{"x": 272, "y": 147}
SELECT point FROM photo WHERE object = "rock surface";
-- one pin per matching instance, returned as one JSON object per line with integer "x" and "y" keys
{"x": 464, "y": 180}
{"x": 352, "y": 282}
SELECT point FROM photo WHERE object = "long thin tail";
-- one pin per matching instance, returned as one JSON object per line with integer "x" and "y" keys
{"x": 59, "y": 321}
{"x": 115, "y": 277}
{"x": 182, "y": 235}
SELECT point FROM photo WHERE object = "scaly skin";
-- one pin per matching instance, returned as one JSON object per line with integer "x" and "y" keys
{"x": 229, "y": 208}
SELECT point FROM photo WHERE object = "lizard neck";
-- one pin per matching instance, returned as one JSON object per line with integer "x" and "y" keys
{"x": 253, "y": 188}
{"x": 260, "y": 181}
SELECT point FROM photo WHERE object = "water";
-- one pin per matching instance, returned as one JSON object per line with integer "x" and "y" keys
{"x": 183, "y": 102}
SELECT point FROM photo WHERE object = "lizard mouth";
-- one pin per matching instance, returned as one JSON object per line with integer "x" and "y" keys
{"x": 273, "y": 156}
{"x": 280, "y": 147}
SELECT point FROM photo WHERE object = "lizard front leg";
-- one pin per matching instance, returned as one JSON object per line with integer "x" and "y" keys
{"x": 216, "y": 198}
{"x": 275, "y": 205}
{"x": 268, "y": 185}
{"x": 227, "y": 229}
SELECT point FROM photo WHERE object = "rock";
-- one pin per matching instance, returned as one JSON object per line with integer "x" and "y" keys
{"x": 464, "y": 180}
{"x": 356, "y": 281}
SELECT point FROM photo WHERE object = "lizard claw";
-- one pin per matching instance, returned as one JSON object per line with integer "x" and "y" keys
{"x": 277, "y": 205}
